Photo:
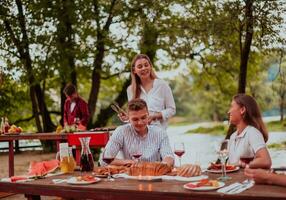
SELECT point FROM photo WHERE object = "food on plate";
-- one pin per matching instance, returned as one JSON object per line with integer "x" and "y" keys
{"x": 113, "y": 170}
{"x": 188, "y": 170}
{"x": 42, "y": 168}
{"x": 215, "y": 166}
{"x": 14, "y": 130}
{"x": 87, "y": 178}
{"x": 149, "y": 169}
{"x": 204, "y": 183}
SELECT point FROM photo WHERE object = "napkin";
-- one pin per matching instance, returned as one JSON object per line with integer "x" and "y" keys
{"x": 226, "y": 189}
{"x": 244, "y": 186}
{"x": 236, "y": 188}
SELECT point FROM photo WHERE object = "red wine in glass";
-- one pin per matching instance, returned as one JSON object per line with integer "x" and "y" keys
{"x": 179, "y": 152}
{"x": 108, "y": 160}
{"x": 246, "y": 160}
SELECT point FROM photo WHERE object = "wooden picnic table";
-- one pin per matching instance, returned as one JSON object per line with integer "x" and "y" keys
{"x": 63, "y": 137}
{"x": 124, "y": 189}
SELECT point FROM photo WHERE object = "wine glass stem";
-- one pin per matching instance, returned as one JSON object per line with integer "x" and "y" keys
{"x": 180, "y": 161}
{"x": 109, "y": 175}
{"x": 223, "y": 169}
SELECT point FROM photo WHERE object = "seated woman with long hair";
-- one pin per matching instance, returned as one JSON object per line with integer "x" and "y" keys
{"x": 247, "y": 143}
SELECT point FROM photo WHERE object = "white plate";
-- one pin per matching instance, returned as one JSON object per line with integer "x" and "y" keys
{"x": 204, "y": 188}
{"x": 219, "y": 171}
{"x": 74, "y": 181}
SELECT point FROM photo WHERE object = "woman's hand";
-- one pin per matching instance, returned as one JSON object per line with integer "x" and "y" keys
{"x": 260, "y": 176}
{"x": 155, "y": 117}
{"x": 189, "y": 170}
{"x": 123, "y": 117}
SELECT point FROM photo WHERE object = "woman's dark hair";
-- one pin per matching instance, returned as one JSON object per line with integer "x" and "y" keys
{"x": 70, "y": 89}
{"x": 252, "y": 115}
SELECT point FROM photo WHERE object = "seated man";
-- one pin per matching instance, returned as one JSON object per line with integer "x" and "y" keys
{"x": 262, "y": 176}
{"x": 152, "y": 141}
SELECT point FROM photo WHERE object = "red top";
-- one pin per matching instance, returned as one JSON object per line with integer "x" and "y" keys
{"x": 80, "y": 111}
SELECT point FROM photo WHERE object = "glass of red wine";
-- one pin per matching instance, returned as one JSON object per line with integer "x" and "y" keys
{"x": 246, "y": 159}
{"x": 108, "y": 158}
{"x": 136, "y": 153}
{"x": 179, "y": 150}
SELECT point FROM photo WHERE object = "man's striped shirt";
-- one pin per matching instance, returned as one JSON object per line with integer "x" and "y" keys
{"x": 154, "y": 146}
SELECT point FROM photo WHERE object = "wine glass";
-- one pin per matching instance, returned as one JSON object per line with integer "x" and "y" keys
{"x": 136, "y": 153}
{"x": 223, "y": 156}
{"x": 246, "y": 159}
{"x": 179, "y": 150}
{"x": 108, "y": 158}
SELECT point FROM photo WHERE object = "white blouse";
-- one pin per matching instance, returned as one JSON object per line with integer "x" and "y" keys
{"x": 246, "y": 144}
{"x": 158, "y": 99}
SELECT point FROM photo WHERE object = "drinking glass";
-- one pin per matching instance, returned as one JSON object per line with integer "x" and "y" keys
{"x": 179, "y": 150}
{"x": 108, "y": 158}
{"x": 223, "y": 156}
{"x": 246, "y": 159}
{"x": 136, "y": 153}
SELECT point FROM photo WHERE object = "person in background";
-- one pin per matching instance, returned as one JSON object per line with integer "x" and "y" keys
{"x": 151, "y": 141}
{"x": 247, "y": 143}
{"x": 75, "y": 108}
{"x": 156, "y": 92}
{"x": 262, "y": 176}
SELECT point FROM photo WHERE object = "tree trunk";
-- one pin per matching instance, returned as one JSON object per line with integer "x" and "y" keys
{"x": 244, "y": 54}
{"x": 96, "y": 80}
{"x": 106, "y": 113}
{"x": 48, "y": 125}
{"x": 282, "y": 100}
{"x": 63, "y": 99}
{"x": 246, "y": 48}
{"x": 149, "y": 41}
{"x": 65, "y": 46}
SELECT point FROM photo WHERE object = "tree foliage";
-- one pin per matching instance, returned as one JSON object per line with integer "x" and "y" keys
{"x": 47, "y": 43}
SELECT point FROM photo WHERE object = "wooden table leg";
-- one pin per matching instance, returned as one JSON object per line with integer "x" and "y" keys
{"x": 11, "y": 158}
{"x": 58, "y": 145}
{"x": 32, "y": 197}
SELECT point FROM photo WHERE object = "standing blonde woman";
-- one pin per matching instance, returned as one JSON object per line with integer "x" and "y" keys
{"x": 247, "y": 144}
{"x": 156, "y": 92}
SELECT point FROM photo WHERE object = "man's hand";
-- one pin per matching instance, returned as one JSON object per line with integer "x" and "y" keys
{"x": 189, "y": 170}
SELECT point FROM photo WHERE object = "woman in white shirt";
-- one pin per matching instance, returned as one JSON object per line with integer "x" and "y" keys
{"x": 247, "y": 143}
{"x": 156, "y": 92}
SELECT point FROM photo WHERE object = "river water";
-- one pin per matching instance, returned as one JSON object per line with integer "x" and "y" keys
{"x": 200, "y": 148}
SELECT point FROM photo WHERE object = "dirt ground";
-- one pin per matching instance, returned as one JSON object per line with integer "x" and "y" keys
{"x": 22, "y": 161}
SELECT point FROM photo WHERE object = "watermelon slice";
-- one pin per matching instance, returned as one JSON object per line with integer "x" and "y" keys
{"x": 18, "y": 178}
{"x": 42, "y": 168}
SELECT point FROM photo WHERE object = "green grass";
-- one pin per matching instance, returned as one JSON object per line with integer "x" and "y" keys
{"x": 276, "y": 126}
{"x": 215, "y": 130}
{"x": 221, "y": 129}
{"x": 281, "y": 145}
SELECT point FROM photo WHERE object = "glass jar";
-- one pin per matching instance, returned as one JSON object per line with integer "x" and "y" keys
{"x": 68, "y": 163}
